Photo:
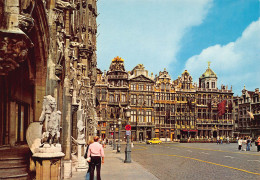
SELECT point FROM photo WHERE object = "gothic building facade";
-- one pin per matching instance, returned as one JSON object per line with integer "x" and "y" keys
{"x": 47, "y": 48}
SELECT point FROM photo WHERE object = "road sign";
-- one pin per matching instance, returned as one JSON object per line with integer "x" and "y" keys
{"x": 128, "y": 133}
{"x": 128, "y": 127}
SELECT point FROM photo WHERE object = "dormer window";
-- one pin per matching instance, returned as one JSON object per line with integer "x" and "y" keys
{"x": 213, "y": 84}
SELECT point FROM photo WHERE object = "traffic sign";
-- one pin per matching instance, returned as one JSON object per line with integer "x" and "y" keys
{"x": 128, "y": 127}
{"x": 128, "y": 133}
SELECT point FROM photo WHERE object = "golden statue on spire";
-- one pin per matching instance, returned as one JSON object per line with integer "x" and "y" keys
{"x": 209, "y": 64}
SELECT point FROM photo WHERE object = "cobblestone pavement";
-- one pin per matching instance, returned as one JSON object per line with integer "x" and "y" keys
{"x": 198, "y": 161}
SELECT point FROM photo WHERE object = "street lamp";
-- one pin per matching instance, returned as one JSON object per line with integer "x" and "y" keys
{"x": 113, "y": 135}
{"x": 118, "y": 144}
{"x": 114, "y": 144}
{"x": 128, "y": 146}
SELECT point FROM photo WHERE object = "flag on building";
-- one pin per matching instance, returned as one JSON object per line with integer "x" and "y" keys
{"x": 251, "y": 115}
{"x": 222, "y": 107}
{"x": 230, "y": 107}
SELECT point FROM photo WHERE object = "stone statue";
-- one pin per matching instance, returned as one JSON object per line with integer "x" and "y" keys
{"x": 60, "y": 47}
{"x": 50, "y": 118}
{"x": 81, "y": 128}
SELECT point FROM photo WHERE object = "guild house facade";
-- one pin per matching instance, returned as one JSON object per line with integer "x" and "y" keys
{"x": 46, "y": 48}
{"x": 165, "y": 108}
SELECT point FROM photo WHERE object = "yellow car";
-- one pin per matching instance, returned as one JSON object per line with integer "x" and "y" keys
{"x": 154, "y": 141}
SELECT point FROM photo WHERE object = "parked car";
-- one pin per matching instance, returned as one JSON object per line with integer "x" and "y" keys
{"x": 154, "y": 141}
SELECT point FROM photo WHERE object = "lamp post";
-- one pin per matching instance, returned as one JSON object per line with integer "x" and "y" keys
{"x": 113, "y": 136}
{"x": 118, "y": 144}
{"x": 114, "y": 143}
{"x": 128, "y": 146}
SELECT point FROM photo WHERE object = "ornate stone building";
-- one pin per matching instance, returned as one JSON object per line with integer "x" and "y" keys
{"x": 141, "y": 94}
{"x": 102, "y": 113}
{"x": 185, "y": 110}
{"x": 47, "y": 48}
{"x": 118, "y": 86}
{"x": 208, "y": 96}
{"x": 249, "y": 113}
{"x": 168, "y": 109}
{"x": 164, "y": 106}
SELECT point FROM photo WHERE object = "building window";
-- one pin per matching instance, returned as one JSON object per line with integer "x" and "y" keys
{"x": 157, "y": 107}
{"x": 133, "y": 87}
{"x": 168, "y": 96}
{"x": 162, "y": 96}
{"x": 149, "y": 100}
{"x": 117, "y": 98}
{"x": 141, "y": 100}
{"x": 157, "y": 96}
{"x": 111, "y": 98}
{"x": 167, "y": 87}
{"x": 141, "y": 87}
{"x": 123, "y": 98}
{"x": 98, "y": 93}
{"x": 213, "y": 84}
{"x": 141, "y": 116}
{"x": 104, "y": 94}
{"x": 162, "y": 107}
{"x": 133, "y": 116}
{"x": 148, "y": 116}
{"x": 148, "y": 87}
{"x": 162, "y": 86}
{"x": 133, "y": 99}
{"x": 156, "y": 120}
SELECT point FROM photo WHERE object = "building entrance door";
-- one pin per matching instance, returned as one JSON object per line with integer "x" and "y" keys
{"x": 21, "y": 119}
{"x": 215, "y": 134}
{"x": 149, "y": 135}
{"x": 141, "y": 136}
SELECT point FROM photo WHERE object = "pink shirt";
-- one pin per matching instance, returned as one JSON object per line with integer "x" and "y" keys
{"x": 96, "y": 149}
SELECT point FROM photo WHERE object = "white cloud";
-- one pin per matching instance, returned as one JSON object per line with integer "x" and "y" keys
{"x": 236, "y": 63}
{"x": 150, "y": 30}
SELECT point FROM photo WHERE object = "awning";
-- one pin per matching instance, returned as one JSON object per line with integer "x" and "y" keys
{"x": 189, "y": 130}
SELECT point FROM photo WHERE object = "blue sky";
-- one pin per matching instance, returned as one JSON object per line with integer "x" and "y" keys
{"x": 183, "y": 34}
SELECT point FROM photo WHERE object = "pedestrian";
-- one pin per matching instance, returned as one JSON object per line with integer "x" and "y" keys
{"x": 248, "y": 143}
{"x": 95, "y": 152}
{"x": 258, "y": 144}
{"x": 239, "y": 144}
{"x": 244, "y": 144}
{"x": 88, "y": 159}
{"x": 228, "y": 140}
{"x": 217, "y": 139}
{"x": 221, "y": 139}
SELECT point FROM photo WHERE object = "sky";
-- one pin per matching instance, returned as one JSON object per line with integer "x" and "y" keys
{"x": 184, "y": 35}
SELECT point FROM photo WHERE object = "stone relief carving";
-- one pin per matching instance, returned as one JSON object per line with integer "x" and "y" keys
{"x": 60, "y": 52}
{"x": 27, "y": 6}
{"x": 64, "y": 5}
{"x": 50, "y": 118}
{"x": 80, "y": 126}
{"x": 13, "y": 51}
{"x": 26, "y": 21}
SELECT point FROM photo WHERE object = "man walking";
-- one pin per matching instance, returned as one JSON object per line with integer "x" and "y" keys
{"x": 95, "y": 152}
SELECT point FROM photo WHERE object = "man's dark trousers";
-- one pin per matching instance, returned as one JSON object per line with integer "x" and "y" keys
{"x": 95, "y": 162}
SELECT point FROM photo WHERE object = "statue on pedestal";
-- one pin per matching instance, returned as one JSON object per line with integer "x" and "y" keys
{"x": 50, "y": 118}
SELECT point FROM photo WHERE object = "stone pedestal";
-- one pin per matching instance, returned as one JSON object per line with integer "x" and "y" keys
{"x": 48, "y": 165}
{"x": 81, "y": 160}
